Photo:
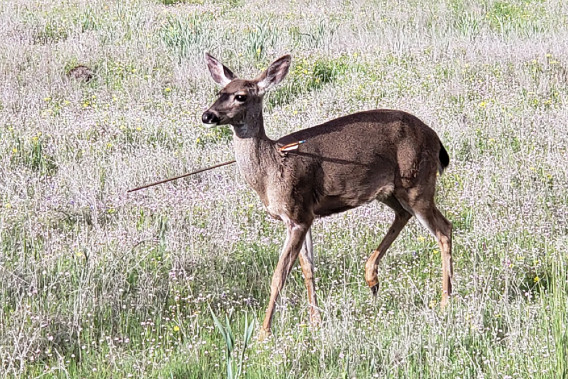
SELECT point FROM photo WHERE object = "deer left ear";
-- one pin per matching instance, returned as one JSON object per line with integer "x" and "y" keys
{"x": 219, "y": 72}
{"x": 274, "y": 74}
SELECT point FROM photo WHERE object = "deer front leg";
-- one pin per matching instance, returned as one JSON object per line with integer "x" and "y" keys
{"x": 306, "y": 261}
{"x": 296, "y": 234}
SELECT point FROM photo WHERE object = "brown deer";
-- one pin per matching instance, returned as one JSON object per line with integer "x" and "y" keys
{"x": 385, "y": 155}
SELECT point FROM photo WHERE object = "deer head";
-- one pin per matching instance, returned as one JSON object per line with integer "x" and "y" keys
{"x": 240, "y": 101}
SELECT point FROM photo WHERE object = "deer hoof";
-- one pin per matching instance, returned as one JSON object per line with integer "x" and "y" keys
{"x": 315, "y": 319}
{"x": 373, "y": 283}
{"x": 444, "y": 303}
{"x": 375, "y": 289}
{"x": 264, "y": 334}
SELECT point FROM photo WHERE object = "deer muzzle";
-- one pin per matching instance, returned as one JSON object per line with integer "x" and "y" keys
{"x": 210, "y": 118}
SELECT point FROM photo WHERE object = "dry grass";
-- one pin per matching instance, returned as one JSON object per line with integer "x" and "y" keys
{"x": 95, "y": 282}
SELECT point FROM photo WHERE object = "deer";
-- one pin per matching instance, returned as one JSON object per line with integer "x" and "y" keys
{"x": 383, "y": 154}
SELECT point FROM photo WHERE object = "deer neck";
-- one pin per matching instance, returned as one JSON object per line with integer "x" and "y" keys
{"x": 255, "y": 153}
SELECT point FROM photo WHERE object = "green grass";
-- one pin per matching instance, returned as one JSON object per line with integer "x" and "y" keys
{"x": 98, "y": 283}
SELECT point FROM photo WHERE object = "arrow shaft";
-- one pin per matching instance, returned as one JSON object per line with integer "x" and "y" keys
{"x": 182, "y": 176}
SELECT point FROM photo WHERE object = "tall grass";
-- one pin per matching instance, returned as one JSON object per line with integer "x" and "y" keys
{"x": 98, "y": 283}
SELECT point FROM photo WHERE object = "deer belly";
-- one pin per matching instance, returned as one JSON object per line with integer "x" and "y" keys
{"x": 330, "y": 204}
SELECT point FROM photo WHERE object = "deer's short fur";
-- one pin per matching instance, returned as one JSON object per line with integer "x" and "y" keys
{"x": 384, "y": 155}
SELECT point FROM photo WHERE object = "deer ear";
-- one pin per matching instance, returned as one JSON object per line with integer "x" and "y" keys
{"x": 220, "y": 73}
{"x": 274, "y": 74}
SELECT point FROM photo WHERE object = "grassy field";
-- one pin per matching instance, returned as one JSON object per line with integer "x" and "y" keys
{"x": 95, "y": 282}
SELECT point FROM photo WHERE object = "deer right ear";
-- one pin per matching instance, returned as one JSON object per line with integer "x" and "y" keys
{"x": 220, "y": 73}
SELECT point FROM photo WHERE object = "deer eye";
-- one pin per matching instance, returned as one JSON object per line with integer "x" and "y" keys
{"x": 241, "y": 98}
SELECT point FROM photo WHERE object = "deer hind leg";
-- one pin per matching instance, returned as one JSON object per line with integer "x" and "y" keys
{"x": 306, "y": 261}
{"x": 296, "y": 234}
{"x": 400, "y": 220}
{"x": 441, "y": 229}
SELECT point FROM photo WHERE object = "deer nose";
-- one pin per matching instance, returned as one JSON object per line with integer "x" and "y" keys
{"x": 210, "y": 118}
